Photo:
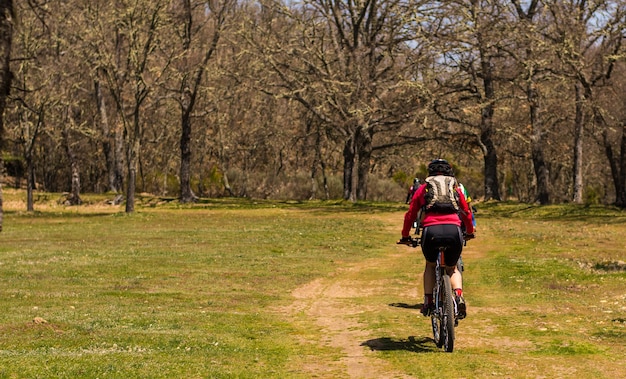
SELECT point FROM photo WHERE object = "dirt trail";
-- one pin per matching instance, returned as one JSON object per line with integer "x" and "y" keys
{"x": 331, "y": 305}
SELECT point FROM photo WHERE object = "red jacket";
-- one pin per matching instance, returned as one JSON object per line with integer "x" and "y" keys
{"x": 433, "y": 218}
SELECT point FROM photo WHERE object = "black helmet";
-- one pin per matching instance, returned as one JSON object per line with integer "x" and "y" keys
{"x": 440, "y": 167}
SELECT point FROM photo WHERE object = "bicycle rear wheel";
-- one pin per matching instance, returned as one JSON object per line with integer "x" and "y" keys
{"x": 435, "y": 316}
{"x": 436, "y": 323}
{"x": 447, "y": 319}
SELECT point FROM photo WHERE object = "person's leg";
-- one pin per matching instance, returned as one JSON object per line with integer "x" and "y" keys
{"x": 429, "y": 285}
{"x": 456, "y": 279}
{"x": 430, "y": 255}
{"x": 429, "y": 278}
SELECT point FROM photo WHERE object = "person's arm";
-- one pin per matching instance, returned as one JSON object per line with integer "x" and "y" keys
{"x": 466, "y": 213}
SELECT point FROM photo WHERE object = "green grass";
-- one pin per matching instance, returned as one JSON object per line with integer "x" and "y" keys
{"x": 199, "y": 291}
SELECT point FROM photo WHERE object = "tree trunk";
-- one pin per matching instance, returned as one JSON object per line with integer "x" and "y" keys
{"x": 621, "y": 189}
{"x": 119, "y": 160}
{"x": 6, "y": 38}
{"x": 223, "y": 161}
{"x": 189, "y": 91}
{"x": 30, "y": 184}
{"x": 579, "y": 121}
{"x": 348, "y": 168}
{"x": 537, "y": 142}
{"x": 363, "y": 147}
{"x": 490, "y": 157}
{"x": 541, "y": 171}
{"x": 2, "y": 175}
{"x": 74, "y": 196}
{"x": 325, "y": 181}
{"x": 133, "y": 150}
{"x": 186, "y": 194}
{"x": 108, "y": 143}
{"x": 616, "y": 169}
{"x": 319, "y": 161}
{"x": 75, "y": 191}
{"x": 226, "y": 184}
{"x": 28, "y": 158}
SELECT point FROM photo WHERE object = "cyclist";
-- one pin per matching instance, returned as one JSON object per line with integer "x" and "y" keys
{"x": 440, "y": 227}
{"x": 414, "y": 187}
{"x": 468, "y": 198}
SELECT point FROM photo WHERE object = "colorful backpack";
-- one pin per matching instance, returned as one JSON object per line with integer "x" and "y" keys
{"x": 441, "y": 195}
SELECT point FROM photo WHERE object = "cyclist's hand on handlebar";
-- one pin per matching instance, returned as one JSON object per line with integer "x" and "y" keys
{"x": 405, "y": 241}
{"x": 469, "y": 236}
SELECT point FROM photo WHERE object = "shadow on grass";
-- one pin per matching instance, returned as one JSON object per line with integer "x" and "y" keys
{"x": 411, "y": 343}
{"x": 407, "y": 306}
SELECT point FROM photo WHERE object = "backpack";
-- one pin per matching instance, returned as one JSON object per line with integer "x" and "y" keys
{"x": 441, "y": 195}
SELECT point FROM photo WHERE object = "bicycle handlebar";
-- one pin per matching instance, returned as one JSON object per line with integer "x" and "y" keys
{"x": 415, "y": 242}
{"x": 409, "y": 241}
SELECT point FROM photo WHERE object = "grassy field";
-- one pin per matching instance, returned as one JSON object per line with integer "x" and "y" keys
{"x": 252, "y": 289}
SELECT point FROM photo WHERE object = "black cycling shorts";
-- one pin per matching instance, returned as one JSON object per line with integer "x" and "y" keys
{"x": 447, "y": 235}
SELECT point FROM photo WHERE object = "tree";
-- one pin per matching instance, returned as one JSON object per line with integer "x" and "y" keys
{"x": 588, "y": 41}
{"x": 191, "y": 70}
{"x": 32, "y": 95}
{"x": 112, "y": 143}
{"x": 7, "y": 16}
{"x": 531, "y": 55}
{"x": 123, "y": 44}
{"x": 73, "y": 197}
{"x": 472, "y": 36}
{"x": 343, "y": 62}
{"x": 296, "y": 96}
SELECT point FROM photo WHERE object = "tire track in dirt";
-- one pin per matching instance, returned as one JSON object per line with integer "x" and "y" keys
{"x": 329, "y": 304}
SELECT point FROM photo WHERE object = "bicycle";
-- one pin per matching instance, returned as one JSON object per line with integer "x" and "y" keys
{"x": 444, "y": 316}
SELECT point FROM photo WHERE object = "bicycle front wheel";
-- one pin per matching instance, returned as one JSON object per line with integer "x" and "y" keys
{"x": 447, "y": 320}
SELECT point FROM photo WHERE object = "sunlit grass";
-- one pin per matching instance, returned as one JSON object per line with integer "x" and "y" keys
{"x": 196, "y": 290}
{"x": 164, "y": 292}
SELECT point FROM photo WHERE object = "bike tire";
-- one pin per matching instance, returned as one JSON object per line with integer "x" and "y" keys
{"x": 447, "y": 319}
{"x": 435, "y": 317}
{"x": 436, "y": 324}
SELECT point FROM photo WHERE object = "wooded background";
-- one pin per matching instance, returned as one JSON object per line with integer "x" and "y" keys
{"x": 317, "y": 99}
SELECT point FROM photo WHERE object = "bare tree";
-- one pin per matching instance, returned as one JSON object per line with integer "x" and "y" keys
{"x": 342, "y": 62}
{"x": 530, "y": 55}
{"x": 7, "y": 18}
{"x": 32, "y": 97}
{"x": 133, "y": 29}
{"x": 471, "y": 36}
{"x": 280, "y": 98}
{"x": 112, "y": 144}
{"x": 588, "y": 40}
{"x": 191, "y": 70}
{"x": 73, "y": 198}
{"x": 30, "y": 125}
